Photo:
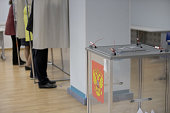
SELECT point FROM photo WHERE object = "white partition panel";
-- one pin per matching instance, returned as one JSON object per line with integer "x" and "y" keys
{"x": 151, "y": 13}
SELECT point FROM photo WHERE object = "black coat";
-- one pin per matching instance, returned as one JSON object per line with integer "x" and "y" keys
{"x": 30, "y": 20}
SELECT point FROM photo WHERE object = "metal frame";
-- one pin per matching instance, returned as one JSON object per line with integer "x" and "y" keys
{"x": 167, "y": 86}
{"x": 88, "y": 74}
{"x": 110, "y": 93}
{"x": 53, "y": 64}
{"x": 140, "y": 82}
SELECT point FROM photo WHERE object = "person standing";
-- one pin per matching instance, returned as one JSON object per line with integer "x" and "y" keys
{"x": 50, "y": 30}
{"x": 40, "y": 57}
{"x": 27, "y": 38}
{"x": 10, "y": 30}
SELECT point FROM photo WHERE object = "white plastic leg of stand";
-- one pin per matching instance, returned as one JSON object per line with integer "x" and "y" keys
{"x": 152, "y": 111}
{"x": 3, "y": 57}
{"x": 140, "y": 110}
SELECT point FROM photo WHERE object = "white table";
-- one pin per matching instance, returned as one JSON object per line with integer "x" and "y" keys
{"x": 2, "y": 29}
{"x": 149, "y": 29}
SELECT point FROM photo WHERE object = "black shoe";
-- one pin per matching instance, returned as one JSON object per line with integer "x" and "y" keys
{"x": 47, "y": 85}
{"x": 21, "y": 63}
{"x": 27, "y": 68}
{"x": 52, "y": 82}
{"x": 15, "y": 63}
{"x": 31, "y": 76}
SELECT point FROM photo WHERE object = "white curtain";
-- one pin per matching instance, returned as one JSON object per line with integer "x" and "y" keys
{"x": 50, "y": 28}
{"x": 19, "y": 8}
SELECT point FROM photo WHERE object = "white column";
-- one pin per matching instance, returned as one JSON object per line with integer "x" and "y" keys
{"x": 91, "y": 20}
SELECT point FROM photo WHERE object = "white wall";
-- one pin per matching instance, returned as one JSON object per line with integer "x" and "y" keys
{"x": 77, "y": 44}
{"x": 151, "y": 13}
{"x": 108, "y": 19}
{"x": 4, "y": 8}
{"x": 89, "y": 21}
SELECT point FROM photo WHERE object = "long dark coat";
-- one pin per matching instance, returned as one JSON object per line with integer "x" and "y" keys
{"x": 9, "y": 28}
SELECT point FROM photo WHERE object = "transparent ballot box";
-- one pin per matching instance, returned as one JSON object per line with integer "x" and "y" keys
{"x": 124, "y": 78}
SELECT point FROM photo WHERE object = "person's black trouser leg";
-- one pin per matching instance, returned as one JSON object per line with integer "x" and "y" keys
{"x": 14, "y": 49}
{"x": 34, "y": 62}
{"x": 41, "y": 65}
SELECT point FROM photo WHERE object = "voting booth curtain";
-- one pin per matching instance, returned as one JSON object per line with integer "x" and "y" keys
{"x": 19, "y": 8}
{"x": 50, "y": 26}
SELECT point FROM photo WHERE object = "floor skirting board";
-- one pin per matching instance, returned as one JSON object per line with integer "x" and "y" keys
{"x": 78, "y": 95}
